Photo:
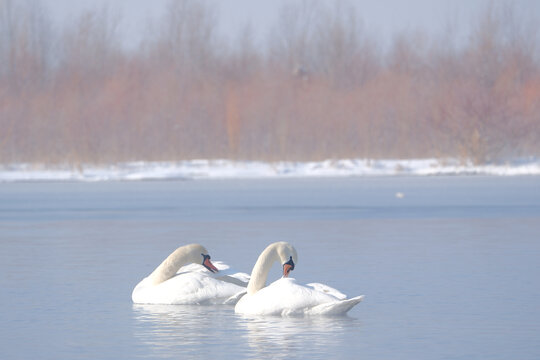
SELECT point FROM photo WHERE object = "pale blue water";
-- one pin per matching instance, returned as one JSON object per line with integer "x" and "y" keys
{"x": 451, "y": 271}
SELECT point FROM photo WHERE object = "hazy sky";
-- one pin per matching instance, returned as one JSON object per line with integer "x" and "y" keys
{"x": 382, "y": 17}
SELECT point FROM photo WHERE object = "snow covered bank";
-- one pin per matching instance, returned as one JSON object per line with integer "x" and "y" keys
{"x": 220, "y": 169}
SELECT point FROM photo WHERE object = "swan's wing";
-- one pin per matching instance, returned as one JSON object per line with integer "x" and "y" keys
{"x": 193, "y": 267}
{"x": 226, "y": 273}
{"x": 234, "y": 299}
{"x": 327, "y": 290}
{"x": 233, "y": 280}
{"x": 224, "y": 270}
{"x": 340, "y": 307}
{"x": 243, "y": 277}
{"x": 198, "y": 268}
{"x": 221, "y": 266}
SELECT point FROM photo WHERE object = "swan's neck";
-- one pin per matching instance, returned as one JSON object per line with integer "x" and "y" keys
{"x": 260, "y": 271}
{"x": 169, "y": 267}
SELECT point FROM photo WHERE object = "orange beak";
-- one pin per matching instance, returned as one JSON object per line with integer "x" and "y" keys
{"x": 286, "y": 270}
{"x": 208, "y": 264}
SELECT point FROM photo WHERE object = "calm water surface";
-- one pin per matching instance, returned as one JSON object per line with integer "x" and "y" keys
{"x": 450, "y": 271}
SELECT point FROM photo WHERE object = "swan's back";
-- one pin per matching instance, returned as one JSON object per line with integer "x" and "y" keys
{"x": 287, "y": 298}
{"x": 187, "y": 288}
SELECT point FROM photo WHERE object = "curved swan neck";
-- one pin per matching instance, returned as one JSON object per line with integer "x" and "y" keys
{"x": 182, "y": 256}
{"x": 274, "y": 252}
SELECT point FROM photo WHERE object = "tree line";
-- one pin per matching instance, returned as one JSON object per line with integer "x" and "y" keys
{"x": 320, "y": 86}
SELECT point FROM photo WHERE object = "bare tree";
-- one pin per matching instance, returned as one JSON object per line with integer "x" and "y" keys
{"x": 343, "y": 51}
{"x": 187, "y": 37}
{"x": 318, "y": 87}
{"x": 92, "y": 44}
{"x": 25, "y": 43}
{"x": 292, "y": 40}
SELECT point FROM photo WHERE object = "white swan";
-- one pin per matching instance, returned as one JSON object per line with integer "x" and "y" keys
{"x": 171, "y": 283}
{"x": 286, "y": 297}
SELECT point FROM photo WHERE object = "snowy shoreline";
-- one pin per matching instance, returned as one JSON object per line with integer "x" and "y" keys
{"x": 228, "y": 169}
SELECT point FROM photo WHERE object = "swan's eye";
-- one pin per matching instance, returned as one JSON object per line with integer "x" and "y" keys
{"x": 205, "y": 257}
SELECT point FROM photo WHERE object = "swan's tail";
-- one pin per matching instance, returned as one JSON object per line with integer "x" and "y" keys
{"x": 336, "y": 307}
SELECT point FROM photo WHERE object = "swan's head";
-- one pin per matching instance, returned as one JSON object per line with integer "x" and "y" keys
{"x": 208, "y": 264}
{"x": 288, "y": 267}
{"x": 288, "y": 257}
{"x": 281, "y": 252}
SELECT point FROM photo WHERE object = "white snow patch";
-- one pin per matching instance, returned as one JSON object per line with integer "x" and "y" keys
{"x": 223, "y": 169}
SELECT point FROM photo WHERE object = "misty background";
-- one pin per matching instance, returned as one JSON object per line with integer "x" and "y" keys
{"x": 301, "y": 80}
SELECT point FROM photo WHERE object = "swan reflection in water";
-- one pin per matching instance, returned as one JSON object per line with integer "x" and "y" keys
{"x": 203, "y": 331}
{"x": 279, "y": 338}
{"x": 167, "y": 329}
